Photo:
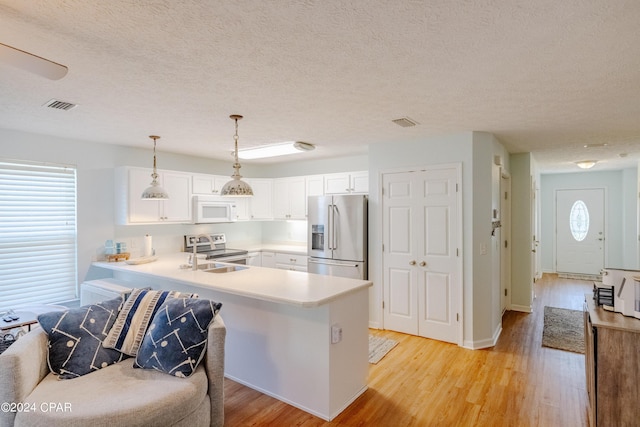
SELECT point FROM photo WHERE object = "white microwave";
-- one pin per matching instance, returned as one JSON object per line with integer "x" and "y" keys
{"x": 210, "y": 209}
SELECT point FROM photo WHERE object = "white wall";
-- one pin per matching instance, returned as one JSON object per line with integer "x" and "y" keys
{"x": 620, "y": 213}
{"x": 475, "y": 151}
{"x": 95, "y": 165}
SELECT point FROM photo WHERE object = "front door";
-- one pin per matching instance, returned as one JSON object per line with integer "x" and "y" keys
{"x": 580, "y": 231}
{"x": 420, "y": 255}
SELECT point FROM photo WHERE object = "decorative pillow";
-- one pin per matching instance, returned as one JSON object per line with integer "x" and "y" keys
{"x": 75, "y": 338}
{"x": 134, "y": 318}
{"x": 177, "y": 337}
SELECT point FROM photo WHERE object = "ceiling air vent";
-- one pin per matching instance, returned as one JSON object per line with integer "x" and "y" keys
{"x": 405, "y": 122}
{"x": 60, "y": 105}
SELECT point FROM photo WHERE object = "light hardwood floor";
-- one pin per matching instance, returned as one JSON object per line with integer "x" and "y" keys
{"x": 424, "y": 382}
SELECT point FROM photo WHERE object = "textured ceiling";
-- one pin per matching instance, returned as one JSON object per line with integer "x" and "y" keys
{"x": 544, "y": 76}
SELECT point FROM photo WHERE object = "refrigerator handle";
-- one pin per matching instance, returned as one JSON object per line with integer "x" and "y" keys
{"x": 334, "y": 231}
{"x": 329, "y": 227}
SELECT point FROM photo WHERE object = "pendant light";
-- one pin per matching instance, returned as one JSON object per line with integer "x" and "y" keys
{"x": 154, "y": 191}
{"x": 236, "y": 187}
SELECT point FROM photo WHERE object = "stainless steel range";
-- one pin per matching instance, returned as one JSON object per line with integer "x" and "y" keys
{"x": 216, "y": 248}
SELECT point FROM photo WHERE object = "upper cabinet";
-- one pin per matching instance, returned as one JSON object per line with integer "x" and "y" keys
{"x": 131, "y": 209}
{"x": 279, "y": 198}
{"x": 260, "y": 206}
{"x": 209, "y": 184}
{"x": 289, "y": 198}
{"x": 347, "y": 183}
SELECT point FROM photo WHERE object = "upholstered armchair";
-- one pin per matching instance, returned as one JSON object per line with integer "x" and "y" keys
{"x": 116, "y": 395}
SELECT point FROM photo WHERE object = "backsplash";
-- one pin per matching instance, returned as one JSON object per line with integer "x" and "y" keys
{"x": 168, "y": 238}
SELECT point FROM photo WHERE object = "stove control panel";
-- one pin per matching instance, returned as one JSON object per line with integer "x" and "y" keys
{"x": 217, "y": 240}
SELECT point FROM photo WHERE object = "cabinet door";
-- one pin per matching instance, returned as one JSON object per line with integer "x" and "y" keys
{"x": 254, "y": 259}
{"x": 337, "y": 183}
{"x": 260, "y": 205}
{"x": 178, "y": 207}
{"x": 360, "y": 182}
{"x": 280, "y": 199}
{"x": 203, "y": 184}
{"x": 297, "y": 198}
{"x": 269, "y": 259}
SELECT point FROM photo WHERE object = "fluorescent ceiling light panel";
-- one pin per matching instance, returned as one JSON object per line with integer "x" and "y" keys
{"x": 282, "y": 149}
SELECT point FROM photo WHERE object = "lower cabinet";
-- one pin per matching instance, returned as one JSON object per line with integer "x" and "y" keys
{"x": 254, "y": 258}
{"x": 284, "y": 261}
{"x": 612, "y": 363}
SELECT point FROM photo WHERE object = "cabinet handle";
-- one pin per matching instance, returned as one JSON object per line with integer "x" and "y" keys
{"x": 412, "y": 262}
{"x": 422, "y": 263}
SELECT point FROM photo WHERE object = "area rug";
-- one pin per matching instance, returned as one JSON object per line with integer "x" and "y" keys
{"x": 379, "y": 347}
{"x": 563, "y": 329}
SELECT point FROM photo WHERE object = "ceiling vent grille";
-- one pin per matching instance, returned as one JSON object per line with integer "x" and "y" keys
{"x": 405, "y": 122}
{"x": 60, "y": 105}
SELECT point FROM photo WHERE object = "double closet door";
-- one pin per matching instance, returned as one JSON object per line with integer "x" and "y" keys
{"x": 422, "y": 271}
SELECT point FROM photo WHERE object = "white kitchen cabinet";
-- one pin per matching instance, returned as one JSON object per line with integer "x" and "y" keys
{"x": 254, "y": 258}
{"x": 268, "y": 259}
{"x": 209, "y": 184}
{"x": 131, "y": 209}
{"x": 260, "y": 206}
{"x": 289, "y": 198}
{"x": 315, "y": 185}
{"x": 288, "y": 261}
{"x": 347, "y": 183}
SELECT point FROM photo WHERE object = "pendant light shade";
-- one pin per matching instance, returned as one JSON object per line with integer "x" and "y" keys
{"x": 154, "y": 191}
{"x": 236, "y": 187}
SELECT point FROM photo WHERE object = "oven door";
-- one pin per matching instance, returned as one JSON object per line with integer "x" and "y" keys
{"x": 236, "y": 259}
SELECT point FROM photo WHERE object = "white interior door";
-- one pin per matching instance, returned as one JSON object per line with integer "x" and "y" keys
{"x": 505, "y": 240}
{"x": 437, "y": 260}
{"x": 400, "y": 276}
{"x": 580, "y": 231}
{"x": 420, "y": 233}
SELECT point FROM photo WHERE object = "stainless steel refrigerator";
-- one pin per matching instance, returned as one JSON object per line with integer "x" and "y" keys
{"x": 337, "y": 236}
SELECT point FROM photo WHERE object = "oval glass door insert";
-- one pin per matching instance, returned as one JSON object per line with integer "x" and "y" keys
{"x": 579, "y": 220}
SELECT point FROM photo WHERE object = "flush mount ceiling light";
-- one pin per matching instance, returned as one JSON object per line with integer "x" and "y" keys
{"x": 236, "y": 187}
{"x": 154, "y": 191}
{"x": 274, "y": 150}
{"x": 29, "y": 62}
{"x": 586, "y": 164}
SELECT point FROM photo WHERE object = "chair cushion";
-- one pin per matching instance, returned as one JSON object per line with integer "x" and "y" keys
{"x": 137, "y": 312}
{"x": 116, "y": 396}
{"x": 75, "y": 338}
{"x": 177, "y": 337}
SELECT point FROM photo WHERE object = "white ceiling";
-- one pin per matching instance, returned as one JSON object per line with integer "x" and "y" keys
{"x": 544, "y": 76}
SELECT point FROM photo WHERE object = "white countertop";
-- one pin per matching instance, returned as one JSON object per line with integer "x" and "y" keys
{"x": 269, "y": 284}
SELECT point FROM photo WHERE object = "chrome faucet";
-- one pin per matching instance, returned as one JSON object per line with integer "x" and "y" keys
{"x": 194, "y": 256}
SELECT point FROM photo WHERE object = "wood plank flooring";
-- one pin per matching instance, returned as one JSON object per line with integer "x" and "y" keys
{"x": 424, "y": 382}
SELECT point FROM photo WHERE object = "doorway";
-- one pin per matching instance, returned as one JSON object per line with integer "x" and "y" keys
{"x": 422, "y": 278}
{"x": 580, "y": 233}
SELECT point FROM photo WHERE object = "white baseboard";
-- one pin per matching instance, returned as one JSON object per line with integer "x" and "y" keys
{"x": 490, "y": 342}
{"x": 522, "y": 308}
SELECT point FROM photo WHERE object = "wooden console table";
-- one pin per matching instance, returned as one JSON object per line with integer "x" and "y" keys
{"x": 612, "y": 362}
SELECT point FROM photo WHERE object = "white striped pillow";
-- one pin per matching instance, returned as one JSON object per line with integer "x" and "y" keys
{"x": 132, "y": 322}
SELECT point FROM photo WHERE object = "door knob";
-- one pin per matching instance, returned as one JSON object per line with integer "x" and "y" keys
{"x": 422, "y": 263}
{"x": 412, "y": 262}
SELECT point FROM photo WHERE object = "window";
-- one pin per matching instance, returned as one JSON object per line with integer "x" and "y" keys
{"x": 579, "y": 220}
{"x": 38, "y": 262}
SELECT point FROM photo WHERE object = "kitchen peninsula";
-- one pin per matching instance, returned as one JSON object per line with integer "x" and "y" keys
{"x": 301, "y": 338}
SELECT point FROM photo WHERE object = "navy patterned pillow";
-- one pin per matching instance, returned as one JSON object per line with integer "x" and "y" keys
{"x": 76, "y": 335}
{"x": 176, "y": 340}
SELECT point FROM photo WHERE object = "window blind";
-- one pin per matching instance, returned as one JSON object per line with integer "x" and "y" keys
{"x": 38, "y": 259}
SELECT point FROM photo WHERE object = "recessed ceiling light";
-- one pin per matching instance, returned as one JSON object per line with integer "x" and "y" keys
{"x": 274, "y": 150}
{"x": 586, "y": 164}
{"x": 604, "y": 144}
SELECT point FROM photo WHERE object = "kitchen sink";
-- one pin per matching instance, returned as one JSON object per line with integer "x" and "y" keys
{"x": 221, "y": 268}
